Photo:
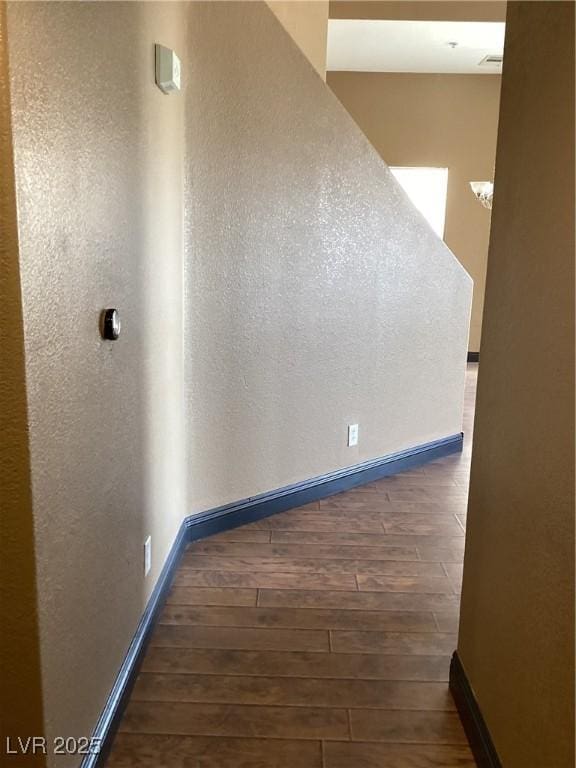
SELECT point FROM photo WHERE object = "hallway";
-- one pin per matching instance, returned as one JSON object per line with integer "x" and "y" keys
{"x": 319, "y": 637}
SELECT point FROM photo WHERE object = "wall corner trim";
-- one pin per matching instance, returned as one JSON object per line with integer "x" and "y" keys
{"x": 230, "y": 516}
{"x": 109, "y": 720}
{"x": 473, "y": 721}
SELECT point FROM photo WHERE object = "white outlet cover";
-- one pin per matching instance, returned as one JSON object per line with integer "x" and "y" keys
{"x": 352, "y": 435}
{"x": 147, "y": 555}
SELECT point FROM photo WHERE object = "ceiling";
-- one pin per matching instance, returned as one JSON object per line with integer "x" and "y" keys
{"x": 374, "y": 45}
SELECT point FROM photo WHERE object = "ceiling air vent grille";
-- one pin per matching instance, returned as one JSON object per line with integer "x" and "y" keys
{"x": 491, "y": 59}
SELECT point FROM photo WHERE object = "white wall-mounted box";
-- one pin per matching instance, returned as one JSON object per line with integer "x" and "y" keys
{"x": 167, "y": 69}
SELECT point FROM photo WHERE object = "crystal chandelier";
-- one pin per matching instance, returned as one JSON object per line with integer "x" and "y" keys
{"x": 483, "y": 191}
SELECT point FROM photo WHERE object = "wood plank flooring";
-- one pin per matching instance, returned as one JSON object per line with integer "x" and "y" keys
{"x": 317, "y": 638}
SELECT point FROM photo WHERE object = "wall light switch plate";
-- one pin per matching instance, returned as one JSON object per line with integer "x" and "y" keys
{"x": 147, "y": 555}
{"x": 352, "y": 435}
{"x": 167, "y": 69}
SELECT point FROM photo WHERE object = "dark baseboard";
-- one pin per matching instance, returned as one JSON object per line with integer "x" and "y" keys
{"x": 230, "y": 516}
{"x": 473, "y": 357}
{"x": 477, "y": 732}
{"x": 111, "y": 715}
{"x": 266, "y": 504}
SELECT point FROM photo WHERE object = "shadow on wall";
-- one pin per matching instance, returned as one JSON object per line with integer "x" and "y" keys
{"x": 21, "y": 708}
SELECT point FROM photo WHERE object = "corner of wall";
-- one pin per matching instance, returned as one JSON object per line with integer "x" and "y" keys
{"x": 21, "y": 707}
{"x": 306, "y": 22}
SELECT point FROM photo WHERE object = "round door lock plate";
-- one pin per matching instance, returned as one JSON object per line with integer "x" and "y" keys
{"x": 110, "y": 324}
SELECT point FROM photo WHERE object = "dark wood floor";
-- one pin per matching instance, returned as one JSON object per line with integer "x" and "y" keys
{"x": 317, "y": 638}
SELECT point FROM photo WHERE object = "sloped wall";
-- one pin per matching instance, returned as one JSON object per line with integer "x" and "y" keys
{"x": 429, "y": 131}
{"x": 316, "y": 296}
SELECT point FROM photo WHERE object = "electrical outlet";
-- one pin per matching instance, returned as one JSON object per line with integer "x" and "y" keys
{"x": 352, "y": 435}
{"x": 147, "y": 555}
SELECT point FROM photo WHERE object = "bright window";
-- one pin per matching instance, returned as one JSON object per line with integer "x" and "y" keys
{"x": 427, "y": 189}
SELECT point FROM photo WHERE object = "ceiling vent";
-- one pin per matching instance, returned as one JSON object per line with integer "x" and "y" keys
{"x": 491, "y": 59}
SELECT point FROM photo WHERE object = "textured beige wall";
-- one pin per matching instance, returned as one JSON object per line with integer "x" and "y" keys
{"x": 21, "y": 687}
{"x": 98, "y": 153}
{"x": 302, "y": 312}
{"x": 516, "y": 637}
{"x": 447, "y": 121}
{"x": 306, "y": 21}
{"x": 315, "y": 295}
{"x": 425, "y": 10}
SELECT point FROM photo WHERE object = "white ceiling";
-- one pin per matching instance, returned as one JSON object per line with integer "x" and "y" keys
{"x": 414, "y": 46}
